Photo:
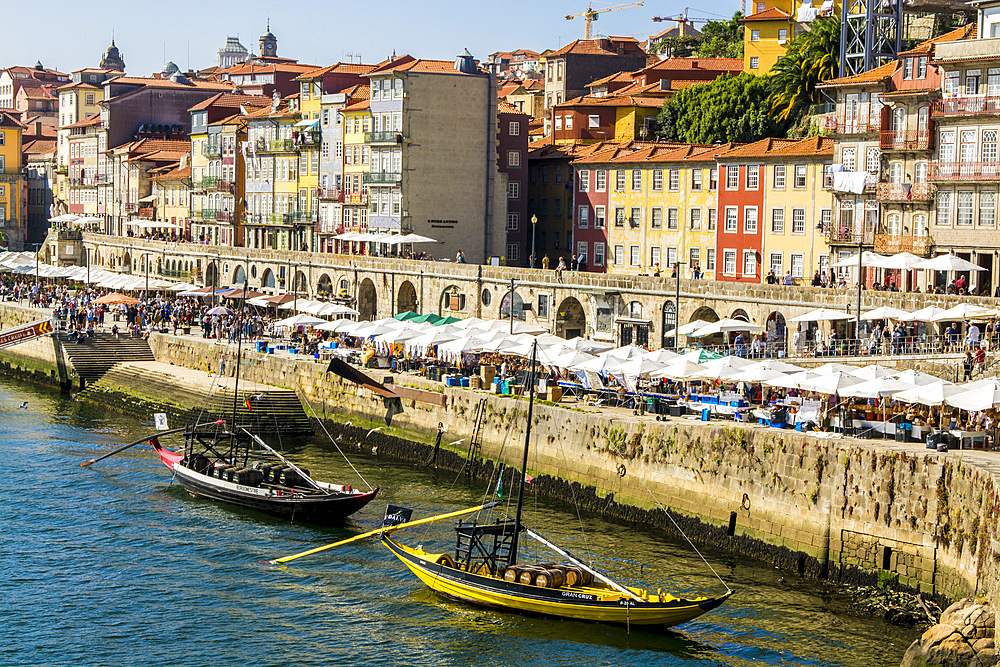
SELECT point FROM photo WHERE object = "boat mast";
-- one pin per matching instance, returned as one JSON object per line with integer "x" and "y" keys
{"x": 239, "y": 357}
{"x": 524, "y": 460}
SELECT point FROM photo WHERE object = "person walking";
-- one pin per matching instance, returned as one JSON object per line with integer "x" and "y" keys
{"x": 967, "y": 366}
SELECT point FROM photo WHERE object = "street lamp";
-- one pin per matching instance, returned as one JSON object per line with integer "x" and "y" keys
{"x": 857, "y": 321}
{"x": 677, "y": 304}
{"x": 534, "y": 222}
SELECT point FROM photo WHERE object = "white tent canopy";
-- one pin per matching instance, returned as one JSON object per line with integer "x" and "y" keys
{"x": 964, "y": 311}
{"x": 726, "y": 325}
{"x": 867, "y": 259}
{"x": 822, "y": 315}
{"x": 947, "y": 262}
{"x": 901, "y": 260}
{"x": 885, "y": 313}
{"x": 300, "y": 320}
{"x": 928, "y": 314}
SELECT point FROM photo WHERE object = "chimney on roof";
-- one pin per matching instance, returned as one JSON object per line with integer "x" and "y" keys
{"x": 465, "y": 62}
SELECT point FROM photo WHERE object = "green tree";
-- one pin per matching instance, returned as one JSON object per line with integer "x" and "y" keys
{"x": 722, "y": 39}
{"x": 812, "y": 57}
{"x": 730, "y": 108}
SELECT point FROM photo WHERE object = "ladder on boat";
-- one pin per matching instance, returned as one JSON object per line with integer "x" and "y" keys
{"x": 475, "y": 455}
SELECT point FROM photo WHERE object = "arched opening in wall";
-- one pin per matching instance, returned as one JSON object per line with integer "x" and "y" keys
{"x": 633, "y": 327}
{"x": 668, "y": 339}
{"x": 344, "y": 287}
{"x": 506, "y": 303}
{"x": 706, "y": 314}
{"x": 267, "y": 279}
{"x": 300, "y": 285}
{"x": 240, "y": 276}
{"x": 367, "y": 300}
{"x": 571, "y": 321}
{"x": 211, "y": 275}
{"x": 777, "y": 335}
{"x": 740, "y": 314}
{"x": 406, "y": 299}
{"x": 127, "y": 263}
{"x": 452, "y": 301}
{"x": 324, "y": 287}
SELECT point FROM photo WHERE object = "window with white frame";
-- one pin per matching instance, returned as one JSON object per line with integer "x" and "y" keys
{"x": 583, "y": 217}
{"x": 987, "y": 208}
{"x": 636, "y": 179}
{"x": 800, "y": 176}
{"x": 513, "y": 158}
{"x": 696, "y": 175}
{"x": 872, "y": 160}
{"x": 599, "y": 217}
{"x": 712, "y": 213}
{"x": 598, "y": 254}
{"x": 733, "y": 177}
{"x": 797, "y": 260}
{"x": 896, "y": 172}
{"x": 710, "y": 259}
{"x": 775, "y": 264}
{"x": 849, "y": 157}
{"x": 777, "y": 221}
{"x": 619, "y": 180}
{"x": 779, "y": 177}
{"x": 559, "y": 122}
{"x": 512, "y": 222}
{"x": 754, "y": 62}
{"x": 674, "y": 180}
{"x": 657, "y": 179}
{"x": 732, "y": 218}
{"x": 920, "y": 172}
{"x": 750, "y": 220}
{"x": 635, "y": 216}
{"x": 755, "y": 35}
{"x": 753, "y": 176}
{"x": 584, "y": 179}
{"x": 749, "y": 263}
{"x": 671, "y": 256}
{"x": 619, "y": 216}
{"x": 634, "y": 258}
{"x": 672, "y": 222}
{"x": 656, "y": 218}
{"x": 729, "y": 262}
{"x": 943, "y": 210}
{"x": 511, "y": 252}
{"x": 695, "y": 219}
{"x": 513, "y": 190}
{"x": 654, "y": 255}
{"x": 798, "y": 221}
{"x": 965, "y": 199}
{"x": 988, "y": 152}
{"x": 920, "y": 224}
{"x": 514, "y": 128}
{"x": 694, "y": 257}
{"x": 602, "y": 180}
{"x": 619, "y": 256}
{"x": 582, "y": 250}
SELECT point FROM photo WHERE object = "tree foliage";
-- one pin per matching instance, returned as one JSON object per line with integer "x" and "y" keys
{"x": 811, "y": 58}
{"x": 730, "y": 108}
{"x": 722, "y": 39}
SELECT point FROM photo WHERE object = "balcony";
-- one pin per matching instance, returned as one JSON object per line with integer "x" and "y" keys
{"x": 130, "y": 208}
{"x": 849, "y": 236}
{"x": 212, "y": 150}
{"x": 355, "y": 198}
{"x": 182, "y": 275}
{"x": 331, "y": 194}
{"x": 224, "y": 186}
{"x": 309, "y": 139}
{"x": 971, "y": 105}
{"x": 224, "y": 216}
{"x": 276, "y": 146}
{"x": 206, "y": 183}
{"x": 891, "y": 243}
{"x": 147, "y": 213}
{"x": 964, "y": 171}
{"x": 383, "y": 177}
{"x": 903, "y": 192}
{"x": 859, "y": 123}
{"x": 208, "y": 213}
{"x": 278, "y": 218}
{"x": 913, "y": 140}
{"x": 304, "y": 216}
{"x": 384, "y": 137}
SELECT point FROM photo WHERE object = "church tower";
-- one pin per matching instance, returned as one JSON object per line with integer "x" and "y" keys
{"x": 268, "y": 43}
{"x": 113, "y": 59}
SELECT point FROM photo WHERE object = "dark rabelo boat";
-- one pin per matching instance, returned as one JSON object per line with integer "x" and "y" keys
{"x": 485, "y": 570}
{"x": 231, "y": 464}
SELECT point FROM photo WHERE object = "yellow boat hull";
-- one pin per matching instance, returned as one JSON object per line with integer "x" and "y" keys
{"x": 589, "y": 603}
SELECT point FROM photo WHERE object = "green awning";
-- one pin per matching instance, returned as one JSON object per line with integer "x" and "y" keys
{"x": 407, "y": 316}
{"x": 429, "y": 317}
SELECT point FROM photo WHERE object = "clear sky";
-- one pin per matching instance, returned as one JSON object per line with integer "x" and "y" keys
{"x": 71, "y": 35}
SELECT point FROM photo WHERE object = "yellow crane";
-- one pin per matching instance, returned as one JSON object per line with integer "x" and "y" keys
{"x": 592, "y": 15}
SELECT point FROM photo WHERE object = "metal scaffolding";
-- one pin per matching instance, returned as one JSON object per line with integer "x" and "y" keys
{"x": 871, "y": 34}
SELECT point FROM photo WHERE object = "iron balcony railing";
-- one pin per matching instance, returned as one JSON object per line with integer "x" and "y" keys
{"x": 893, "y": 192}
{"x": 972, "y": 105}
{"x": 964, "y": 171}
{"x": 911, "y": 140}
{"x": 848, "y": 235}
{"x": 384, "y": 137}
{"x": 212, "y": 150}
{"x": 383, "y": 177}
{"x": 892, "y": 243}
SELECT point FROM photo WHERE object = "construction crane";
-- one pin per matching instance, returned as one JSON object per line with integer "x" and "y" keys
{"x": 681, "y": 19}
{"x": 592, "y": 15}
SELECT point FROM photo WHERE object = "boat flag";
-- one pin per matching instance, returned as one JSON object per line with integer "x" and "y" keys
{"x": 395, "y": 515}
{"x": 246, "y": 402}
{"x": 500, "y": 487}
{"x": 528, "y": 479}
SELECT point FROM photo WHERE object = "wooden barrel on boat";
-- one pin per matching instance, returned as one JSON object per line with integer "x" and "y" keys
{"x": 512, "y": 574}
{"x": 527, "y": 574}
{"x": 577, "y": 576}
{"x": 552, "y": 578}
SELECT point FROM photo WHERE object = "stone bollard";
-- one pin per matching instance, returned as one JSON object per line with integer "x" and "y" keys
{"x": 963, "y": 637}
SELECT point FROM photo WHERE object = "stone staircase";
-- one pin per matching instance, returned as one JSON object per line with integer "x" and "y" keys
{"x": 93, "y": 357}
{"x": 188, "y": 396}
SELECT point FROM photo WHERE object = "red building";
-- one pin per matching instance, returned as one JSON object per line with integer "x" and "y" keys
{"x": 590, "y": 208}
{"x": 739, "y": 240}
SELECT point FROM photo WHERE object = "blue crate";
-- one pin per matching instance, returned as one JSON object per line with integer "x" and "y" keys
{"x": 465, "y": 382}
{"x": 706, "y": 415}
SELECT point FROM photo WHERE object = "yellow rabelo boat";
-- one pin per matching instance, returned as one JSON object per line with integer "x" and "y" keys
{"x": 485, "y": 570}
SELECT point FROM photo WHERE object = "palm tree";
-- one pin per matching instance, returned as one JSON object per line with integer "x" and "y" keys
{"x": 811, "y": 58}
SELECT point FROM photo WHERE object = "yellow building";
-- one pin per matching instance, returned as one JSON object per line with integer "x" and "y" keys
{"x": 309, "y": 141}
{"x": 798, "y": 205}
{"x": 13, "y": 184}
{"x": 171, "y": 195}
{"x": 357, "y": 121}
{"x": 662, "y": 202}
{"x": 770, "y": 25}
{"x": 77, "y": 101}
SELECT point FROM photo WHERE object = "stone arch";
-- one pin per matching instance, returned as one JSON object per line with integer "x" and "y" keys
{"x": 505, "y": 306}
{"x": 211, "y": 274}
{"x": 740, "y": 314}
{"x": 240, "y": 275}
{"x": 571, "y": 320}
{"x": 406, "y": 297}
{"x": 777, "y": 334}
{"x": 452, "y": 300}
{"x": 367, "y": 300}
{"x": 324, "y": 286}
{"x": 127, "y": 263}
{"x": 668, "y": 339}
{"x": 301, "y": 284}
{"x": 343, "y": 286}
{"x": 705, "y": 314}
{"x": 267, "y": 279}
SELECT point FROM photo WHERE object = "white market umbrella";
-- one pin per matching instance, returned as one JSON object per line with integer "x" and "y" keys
{"x": 624, "y": 352}
{"x": 336, "y": 325}
{"x": 720, "y": 369}
{"x": 928, "y": 314}
{"x": 587, "y": 345}
{"x": 935, "y": 393}
{"x": 985, "y": 395}
{"x": 822, "y": 315}
{"x": 915, "y": 378}
{"x": 901, "y": 260}
{"x": 830, "y": 384}
{"x": 686, "y": 329}
{"x": 867, "y": 259}
{"x": 662, "y": 356}
{"x": 300, "y": 320}
{"x": 425, "y": 339}
{"x": 398, "y": 336}
{"x": 964, "y": 311}
{"x": 637, "y": 367}
{"x": 415, "y": 238}
{"x": 873, "y": 372}
{"x": 791, "y": 380}
{"x": 571, "y": 359}
{"x": 947, "y": 262}
{"x": 678, "y": 369}
{"x": 750, "y": 374}
{"x": 885, "y": 313}
{"x": 833, "y": 367}
{"x": 725, "y": 325}
{"x": 876, "y": 388}
{"x": 773, "y": 365}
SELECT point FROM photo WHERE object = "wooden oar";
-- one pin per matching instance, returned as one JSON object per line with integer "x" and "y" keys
{"x": 147, "y": 439}
{"x": 383, "y": 530}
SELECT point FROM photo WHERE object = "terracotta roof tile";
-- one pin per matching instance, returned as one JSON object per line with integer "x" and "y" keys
{"x": 167, "y": 83}
{"x": 358, "y": 106}
{"x": 877, "y": 75}
{"x": 174, "y": 173}
{"x": 772, "y": 14}
{"x": 776, "y": 148}
{"x": 419, "y": 65}
{"x": 693, "y": 64}
{"x": 964, "y": 32}
{"x": 95, "y": 119}
{"x": 617, "y": 77}
{"x": 337, "y": 68}
{"x": 231, "y": 100}
{"x": 612, "y": 101}
{"x": 597, "y": 47}
{"x": 39, "y": 147}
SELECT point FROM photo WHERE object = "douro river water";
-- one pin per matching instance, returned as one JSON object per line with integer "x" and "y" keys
{"x": 115, "y": 565}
